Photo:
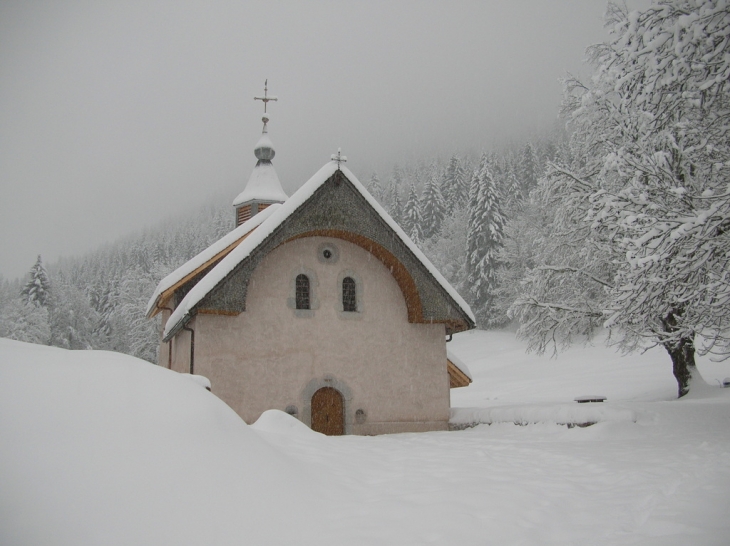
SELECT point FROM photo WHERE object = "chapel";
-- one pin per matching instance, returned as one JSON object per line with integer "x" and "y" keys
{"x": 317, "y": 304}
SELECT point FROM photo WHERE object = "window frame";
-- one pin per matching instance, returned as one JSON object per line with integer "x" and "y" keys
{"x": 349, "y": 295}
{"x": 302, "y": 292}
{"x": 291, "y": 301}
{"x": 357, "y": 313}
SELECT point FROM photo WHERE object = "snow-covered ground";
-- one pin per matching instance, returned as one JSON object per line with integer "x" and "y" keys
{"x": 102, "y": 448}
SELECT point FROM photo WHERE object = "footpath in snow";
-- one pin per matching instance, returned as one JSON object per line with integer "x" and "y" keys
{"x": 102, "y": 448}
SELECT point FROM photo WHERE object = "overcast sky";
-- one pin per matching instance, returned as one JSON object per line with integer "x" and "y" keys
{"x": 114, "y": 115}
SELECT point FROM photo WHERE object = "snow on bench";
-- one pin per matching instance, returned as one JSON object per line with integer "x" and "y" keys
{"x": 567, "y": 414}
{"x": 586, "y": 399}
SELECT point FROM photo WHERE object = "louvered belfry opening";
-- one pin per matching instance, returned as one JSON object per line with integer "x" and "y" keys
{"x": 242, "y": 214}
{"x": 246, "y": 212}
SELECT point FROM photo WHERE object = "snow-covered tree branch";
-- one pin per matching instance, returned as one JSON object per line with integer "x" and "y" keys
{"x": 650, "y": 190}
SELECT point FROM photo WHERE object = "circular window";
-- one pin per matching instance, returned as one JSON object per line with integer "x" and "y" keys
{"x": 328, "y": 253}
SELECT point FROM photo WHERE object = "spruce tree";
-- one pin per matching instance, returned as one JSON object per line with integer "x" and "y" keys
{"x": 472, "y": 225}
{"x": 37, "y": 290}
{"x": 72, "y": 320}
{"x": 527, "y": 171}
{"x": 375, "y": 188}
{"x": 412, "y": 215}
{"x": 415, "y": 235}
{"x": 433, "y": 208}
{"x": 484, "y": 241}
{"x": 454, "y": 185}
{"x": 396, "y": 209}
{"x": 512, "y": 190}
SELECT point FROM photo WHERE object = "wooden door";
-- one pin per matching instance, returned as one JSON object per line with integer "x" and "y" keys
{"x": 328, "y": 412}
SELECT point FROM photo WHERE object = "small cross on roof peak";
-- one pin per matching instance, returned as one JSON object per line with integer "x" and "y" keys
{"x": 338, "y": 157}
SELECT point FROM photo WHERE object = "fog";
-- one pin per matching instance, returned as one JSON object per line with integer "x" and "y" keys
{"x": 115, "y": 115}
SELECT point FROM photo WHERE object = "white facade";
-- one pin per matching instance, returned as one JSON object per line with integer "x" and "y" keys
{"x": 275, "y": 356}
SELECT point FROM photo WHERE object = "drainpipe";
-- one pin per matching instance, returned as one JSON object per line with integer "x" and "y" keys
{"x": 449, "y": 333}
{"x": 169, "y": 343}
{"x": 192, "y": 348}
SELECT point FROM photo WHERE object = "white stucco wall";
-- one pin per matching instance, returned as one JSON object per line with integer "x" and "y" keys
{"x": 273, "y": 356}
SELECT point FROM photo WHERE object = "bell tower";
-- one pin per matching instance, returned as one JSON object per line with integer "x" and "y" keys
{"x": 263, "y": 187}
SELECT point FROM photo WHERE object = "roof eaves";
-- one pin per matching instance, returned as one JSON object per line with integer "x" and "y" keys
{"x": 204, "y": 259}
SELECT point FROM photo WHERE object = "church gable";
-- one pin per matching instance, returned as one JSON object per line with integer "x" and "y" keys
{"x": 332, "y": 204}
{"x": 338, "y": 209}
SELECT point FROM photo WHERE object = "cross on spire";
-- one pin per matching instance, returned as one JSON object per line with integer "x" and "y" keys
{"x": 339, "y": 157}
{"x": 266, "y": 98}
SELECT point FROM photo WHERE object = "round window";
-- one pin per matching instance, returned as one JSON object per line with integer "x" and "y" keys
{"x": 328, "y": 253}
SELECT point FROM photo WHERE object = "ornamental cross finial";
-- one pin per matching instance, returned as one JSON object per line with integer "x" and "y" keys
{"x": 339, "y": 157}
{"x": 266, "y": 98}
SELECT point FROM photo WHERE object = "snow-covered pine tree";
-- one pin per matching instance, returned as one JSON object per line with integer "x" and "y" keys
{"x": 484, "y": 240}
{"x": 412, "y": 215}
{"x": 415, "y": 235}
{"x": 527, "y": 171}
{"x": 375, "y": 188}
{"x": 472, "y": 233}
{"x": 395, "y": 209}
{"x": 447, "y": 251}
{"x": 649, "y": 187}
{"x": 433, "y": 208}
{"x": 37, "y": 291}
{"x": 455, "y": 186}
{"x": 72, "y": 319}
{"x": 395, "y": 206}
{"x": 513, "y": 190}
{"x": 142, "y": 335}
{"x": 100, "y": 299}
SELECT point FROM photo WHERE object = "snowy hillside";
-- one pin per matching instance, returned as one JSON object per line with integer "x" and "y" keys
{"x": 102, "y": 448}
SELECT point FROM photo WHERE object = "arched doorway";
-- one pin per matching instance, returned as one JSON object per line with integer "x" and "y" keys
{"x": 328, "y": 412}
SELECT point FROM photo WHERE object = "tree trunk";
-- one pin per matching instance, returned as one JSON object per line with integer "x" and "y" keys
{"x": 682, "y": 354}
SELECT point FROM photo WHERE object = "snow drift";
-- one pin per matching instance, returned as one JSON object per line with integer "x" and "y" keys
{"x": 103, "y": 448}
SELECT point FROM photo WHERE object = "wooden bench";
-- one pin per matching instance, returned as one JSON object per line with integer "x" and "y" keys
{"x": 586, "y": 399}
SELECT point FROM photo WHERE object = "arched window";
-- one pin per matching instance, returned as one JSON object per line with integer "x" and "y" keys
{"x": 349, "y": 294}
{"x": 302, "y": 292}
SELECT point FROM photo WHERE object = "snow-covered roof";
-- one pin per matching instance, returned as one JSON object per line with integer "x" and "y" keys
{"x": 456, "y": 361}
{"x": 197, "y": 263}
{"x": 183, "y": 312}
{"x": 263, "y": 185}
